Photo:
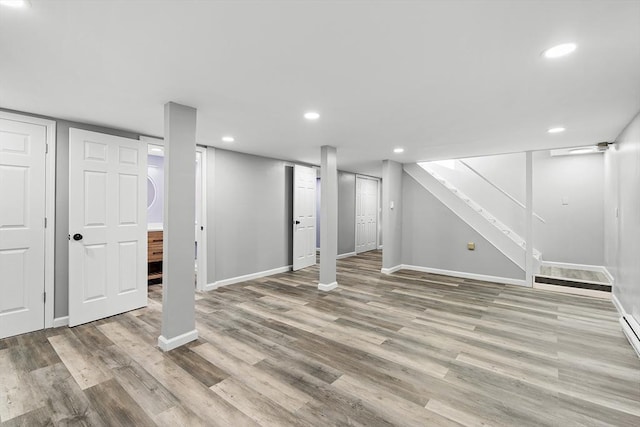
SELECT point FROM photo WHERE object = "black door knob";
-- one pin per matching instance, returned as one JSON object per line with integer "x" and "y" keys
{"x": 77, "y": 236}
{"x": 297, "y": 222}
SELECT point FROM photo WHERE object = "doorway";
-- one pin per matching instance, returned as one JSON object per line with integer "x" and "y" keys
{"x": 155, "y": 212}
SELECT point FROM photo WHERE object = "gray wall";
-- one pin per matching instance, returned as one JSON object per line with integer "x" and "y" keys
{"x": 622, "y": 232}
{"x": 392, "y": 218}
{"x": 433, "y": 236}
{"x": 573, "y": 233}
{"x": 249, "y": 214}
{"x": 346, "y": 212}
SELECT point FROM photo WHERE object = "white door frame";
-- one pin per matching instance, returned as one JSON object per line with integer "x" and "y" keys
{"x": 202, "y": 242}
{"x": 378, "y": 211}
{"x": 50, "y": 208}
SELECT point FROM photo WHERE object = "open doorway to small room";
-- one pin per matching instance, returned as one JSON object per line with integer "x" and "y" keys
{"x": 155, "y": 214}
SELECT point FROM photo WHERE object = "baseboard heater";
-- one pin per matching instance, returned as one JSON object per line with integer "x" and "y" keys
{"x": 631, "y": 334}
{"x": 573, "y": 283}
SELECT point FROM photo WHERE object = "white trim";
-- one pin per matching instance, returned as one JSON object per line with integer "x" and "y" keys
{"x": 61, "y": 321}
{"x": 573, "y": 291}
{"x": 171, "y": 343}
{"x": 464, "y": 275}
{"x": 202, "y": 243}
{"x": 329, "y": 287}
{"x": 50, "y": 209}
{"x": 596, "y": 268}
{"x": 630, "y": 327}
{"x": 246, "y": 277}
{"x": 391, "y": 270}
{"x": 346, "y": 255}
{"x": 616, "y": 303}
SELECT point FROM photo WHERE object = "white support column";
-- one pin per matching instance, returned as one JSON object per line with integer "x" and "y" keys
{"x": 178, "y": 284}
{"x": 391, "y": 216}
{"x": 328, "y": 218}
{"x": 529, "y": 261}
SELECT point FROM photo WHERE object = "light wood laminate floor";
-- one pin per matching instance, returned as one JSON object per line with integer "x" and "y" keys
{"x": 408, "y": 349}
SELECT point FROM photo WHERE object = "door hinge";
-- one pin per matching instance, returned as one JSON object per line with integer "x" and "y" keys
{"x": 45, "y": 222}
{"x": 44, "y": 297}
{"x": 46, "y": 148}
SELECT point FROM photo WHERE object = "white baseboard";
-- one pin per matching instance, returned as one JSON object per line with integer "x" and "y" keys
{"x": 346, "y": 255}
{"x": 246, "y": 277}
{"x": 597, "y": 268}
{"x": 61, "y": 321}
{"x": 464, "y": 275}
{"x": 329, "y": 287}
{"x": 175, "y": 342}
{"x": 629, "y": 326}
{"x": 391, "y": 270}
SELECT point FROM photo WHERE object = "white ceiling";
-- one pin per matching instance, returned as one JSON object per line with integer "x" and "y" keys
{"x": 439, "y": 78}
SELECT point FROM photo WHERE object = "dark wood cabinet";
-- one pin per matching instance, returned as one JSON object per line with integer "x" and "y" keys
{"x": 154, "y": 255}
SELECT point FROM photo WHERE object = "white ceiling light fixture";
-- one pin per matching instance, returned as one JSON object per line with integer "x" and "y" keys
{"x": 558, "y": 129}
{"x": 16, "y": 4}
{"x": 589, "y": 149}
{"x": 398, "y": 150}
{"x": 228, "y": 138}
{"x": 312, "y": 115}
{"x": 559, "y": 50}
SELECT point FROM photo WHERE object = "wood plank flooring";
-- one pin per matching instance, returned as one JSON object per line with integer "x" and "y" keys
{"x": 408, "y": 349}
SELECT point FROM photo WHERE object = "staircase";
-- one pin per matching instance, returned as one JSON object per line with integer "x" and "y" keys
{"x": 482, "y": 221}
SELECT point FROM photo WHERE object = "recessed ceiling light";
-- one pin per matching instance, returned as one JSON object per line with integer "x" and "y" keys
{"x": 398, "y": 150}
{"x": 15, "y": 3}
{"x": 311, "y": 115}
{"x": 228, "y": 139}
{"x": 556, "y": 130}
{"x": 559, "y": 50}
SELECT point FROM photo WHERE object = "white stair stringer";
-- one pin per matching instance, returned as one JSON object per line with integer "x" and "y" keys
{"x": 498, "y": 234}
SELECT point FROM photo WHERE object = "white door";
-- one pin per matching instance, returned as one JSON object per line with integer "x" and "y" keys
{"x": 107, "y": 225}
{"x": 22, "y": 237}
{"x": 366, "y": 214}
{"x": 304, "y": 217}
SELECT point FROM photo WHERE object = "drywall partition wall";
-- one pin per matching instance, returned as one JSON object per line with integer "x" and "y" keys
{"x": 346, "y": 213}
{"x": 318, "y": 190}
{"x": 568, "y": 192}
{"x": 434, "y": 237}
{"x": 623, "y": 217}
{"x": 249, "y": 214}
{"x": 392, "y": 207}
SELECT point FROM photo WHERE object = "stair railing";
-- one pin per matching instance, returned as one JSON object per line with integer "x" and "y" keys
{"x": 488, "y": 181}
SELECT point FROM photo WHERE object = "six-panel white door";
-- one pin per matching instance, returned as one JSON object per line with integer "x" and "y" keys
{"x": 304, "y": 217}
{"x": 22, "y": 238}
{"x": 107, "y": 225}
{"x": 366, "y": 214}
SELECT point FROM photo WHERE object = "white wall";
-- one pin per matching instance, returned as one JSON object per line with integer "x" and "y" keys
{"x": 622, "y": 231}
